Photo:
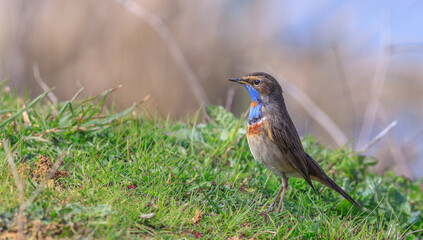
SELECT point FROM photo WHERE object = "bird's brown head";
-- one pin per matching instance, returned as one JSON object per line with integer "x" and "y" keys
{"x": 260, "y": 85}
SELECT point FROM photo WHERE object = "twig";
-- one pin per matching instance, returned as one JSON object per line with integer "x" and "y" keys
{"x": 377, "y": 84}
{"x": 19, "y": 185}
{"x": 396, "y": 150}
{"x": 379, "y": 136}
{"x": 77, "y": 94}
{"x": 42, "y": 84}
{"x": 315, "y": 112}
{"x": 416, "y": 231}
{"x": 176, "y": 52}
{"x": 171, "y": 174}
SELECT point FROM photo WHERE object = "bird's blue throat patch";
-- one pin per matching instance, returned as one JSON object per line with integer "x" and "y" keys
{"x": 255, "y": 110}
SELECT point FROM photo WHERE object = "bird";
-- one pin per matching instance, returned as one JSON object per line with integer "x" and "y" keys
{"x": 274, "y": 140}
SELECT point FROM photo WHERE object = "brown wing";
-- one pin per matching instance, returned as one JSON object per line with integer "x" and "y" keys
{"x": 283, "y": 133}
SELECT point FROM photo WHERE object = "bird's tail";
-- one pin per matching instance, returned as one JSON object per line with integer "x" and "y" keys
{"x": 331, "y": 184}
{"x": 318, "y": 174}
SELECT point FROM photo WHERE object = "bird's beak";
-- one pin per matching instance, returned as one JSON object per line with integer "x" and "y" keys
{"x": 238, "y": 80}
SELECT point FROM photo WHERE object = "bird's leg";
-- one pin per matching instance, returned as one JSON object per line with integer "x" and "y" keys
{"x": 270, "y": 208}
{"x": 284, "y": 186}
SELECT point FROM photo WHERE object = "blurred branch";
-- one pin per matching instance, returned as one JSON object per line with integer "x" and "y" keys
{"x": 378, "y": 82}
{"x": 157, "y": 24}
{"x": 396, "y": 151}
{"x": 42, "y": 84}
{"x": 344, "y": 83}
{"x": 399, "y": 158}
{"x": 315, "y": 112}
{"x": 379, "y": 136}
{"x": 230, "y": 98}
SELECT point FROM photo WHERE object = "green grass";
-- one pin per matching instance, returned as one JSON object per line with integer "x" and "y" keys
{"x": 118, "y": 167}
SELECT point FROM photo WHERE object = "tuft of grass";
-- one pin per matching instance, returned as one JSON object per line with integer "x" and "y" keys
{"x": 127, "y": 176}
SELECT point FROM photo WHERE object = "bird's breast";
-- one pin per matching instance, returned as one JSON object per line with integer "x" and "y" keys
{"x": 256, "y": 128}
{"x": 265, "y": 150}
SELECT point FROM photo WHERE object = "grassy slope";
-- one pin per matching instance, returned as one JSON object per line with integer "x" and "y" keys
{"x": 199, "y": 179}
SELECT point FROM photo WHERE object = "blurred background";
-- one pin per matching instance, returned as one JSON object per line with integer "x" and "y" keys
{"x": 349, "y": 69}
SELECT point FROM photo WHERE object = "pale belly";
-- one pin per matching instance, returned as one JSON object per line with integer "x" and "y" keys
{"x": 268, "y": 153}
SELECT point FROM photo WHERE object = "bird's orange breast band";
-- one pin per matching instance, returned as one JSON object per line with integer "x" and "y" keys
{"x": 255, "y": 128}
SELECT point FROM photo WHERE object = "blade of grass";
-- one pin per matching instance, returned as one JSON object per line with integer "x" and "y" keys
{"x": 25, "y": 108}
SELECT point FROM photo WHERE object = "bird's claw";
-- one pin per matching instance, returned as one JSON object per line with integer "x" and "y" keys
{"x": 269, "y": 209}
{"x": 265, "y": 213}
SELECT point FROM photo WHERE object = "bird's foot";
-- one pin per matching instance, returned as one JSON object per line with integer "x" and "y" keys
{"x": 265, "y": 215}
{"x": 270, "y": 208}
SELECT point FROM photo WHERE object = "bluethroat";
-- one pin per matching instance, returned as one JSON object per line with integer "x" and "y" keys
{"x": 273, "y": 139}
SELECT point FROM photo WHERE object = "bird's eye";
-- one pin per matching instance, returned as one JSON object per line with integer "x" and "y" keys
{"x": 256, "y": 82}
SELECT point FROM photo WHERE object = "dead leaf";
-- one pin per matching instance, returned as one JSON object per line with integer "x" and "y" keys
{"x": 36, "y": 229}
{"x": 33, "y": 229}
{"x": 24, "y": 170}
{"x": 26, "y": 118}
{"x": 169, "y": 179}
{"x": 197, "y": 217}
{"x": 9, "y": 235}
{"x": 234, "y": 238}
{"x": 50, "y": 183}
{"x": 148, "y": 215}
